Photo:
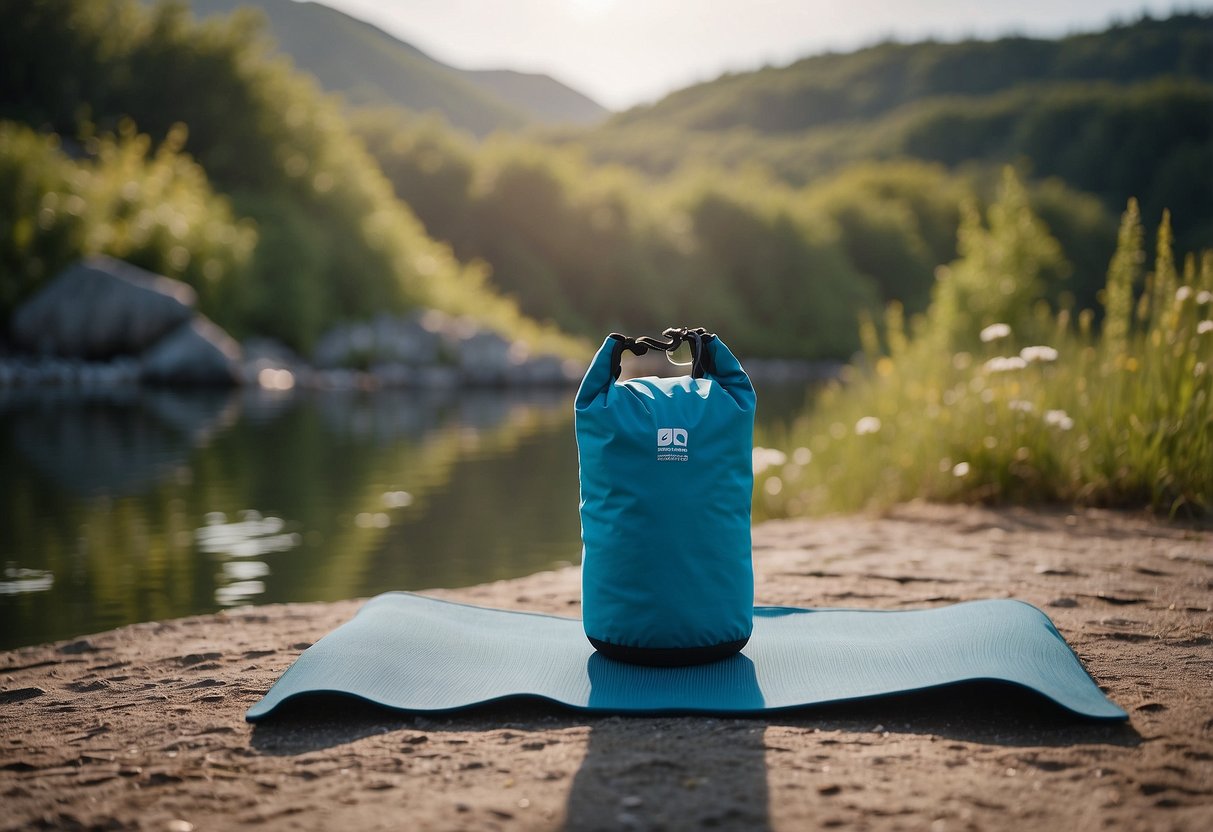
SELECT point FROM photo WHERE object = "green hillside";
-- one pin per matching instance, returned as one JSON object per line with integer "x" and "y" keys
{"x": 372, "y": 68}
{"x": 861, "y": 85}
{"x": 1121, "y": 113}
{"x": 331, "y": 241}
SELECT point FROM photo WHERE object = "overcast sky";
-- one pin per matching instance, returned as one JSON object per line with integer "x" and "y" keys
{"x": 624, "y": 52}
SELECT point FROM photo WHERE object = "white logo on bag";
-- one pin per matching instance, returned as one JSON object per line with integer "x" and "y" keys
{"x": 672, "y": 445}
{"x": 671, "y": 436}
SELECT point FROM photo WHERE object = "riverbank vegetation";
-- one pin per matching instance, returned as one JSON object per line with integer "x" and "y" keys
{"x": 990, "y": 397}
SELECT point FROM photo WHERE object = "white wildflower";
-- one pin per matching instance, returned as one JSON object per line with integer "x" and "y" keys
{"x": 1203, "y": 327}
{"x": 1183, "y": 293}
{"x": 1058, "y": 418}
{"x": 1003, "y": 364}
{"x": 764, "y": 458}
{"x": 397, "y": 499}
{"x": 375, "y": 520}
{"x": 1020, "y": 405}
{"x": 802, "y": 456}
{"x": 993, "y": 332}
{"x": 1041, "y": 354}
{"x": 1204, "y": 296}
{"x": 866, "y": 425}
{"x": 960, "y": 469}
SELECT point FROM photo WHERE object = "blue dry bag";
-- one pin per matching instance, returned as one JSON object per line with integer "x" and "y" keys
{"x": 666, "y": 484}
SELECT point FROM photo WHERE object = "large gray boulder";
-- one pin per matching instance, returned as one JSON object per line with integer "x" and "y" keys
{"x": 196, "y": 353}
{"x": 100, "y": 308}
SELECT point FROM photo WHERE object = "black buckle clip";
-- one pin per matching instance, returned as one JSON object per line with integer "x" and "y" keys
{"x": 697, "y": 337}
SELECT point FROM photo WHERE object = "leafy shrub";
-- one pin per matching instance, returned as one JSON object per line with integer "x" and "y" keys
{"x": 150, "y": 207}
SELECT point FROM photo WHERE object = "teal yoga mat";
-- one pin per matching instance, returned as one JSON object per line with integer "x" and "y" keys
{"x": 418, "y": 654}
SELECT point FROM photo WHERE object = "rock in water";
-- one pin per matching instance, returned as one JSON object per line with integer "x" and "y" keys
{"x": 484, "y": 357}
{"x": 100, "y": 308}
{"x": 196, "y": 353}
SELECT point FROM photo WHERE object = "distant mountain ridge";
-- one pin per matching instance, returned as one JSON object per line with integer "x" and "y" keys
{"x": 542, "y": 96}
{"x": 373, "y": 68}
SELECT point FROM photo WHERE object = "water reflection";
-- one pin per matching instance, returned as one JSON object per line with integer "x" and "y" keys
{"x": 252, "y": 536}
{"x": 249, "y": 537}
{"x": 17, "y": 581}
{"x": 137, "y": 505}
{"x": 113, "y": 442}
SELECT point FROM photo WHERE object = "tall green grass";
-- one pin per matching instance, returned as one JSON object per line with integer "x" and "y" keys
{"x": 991, "y": 399}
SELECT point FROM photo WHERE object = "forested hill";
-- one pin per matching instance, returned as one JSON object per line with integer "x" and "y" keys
{"x": 370, "y": 67}
{"x": 1127, "y": 112}
{"x": 831, "y": 88}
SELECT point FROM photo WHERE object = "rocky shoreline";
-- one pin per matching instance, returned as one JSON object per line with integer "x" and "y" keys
{"x": 103, "y": 323}
{"x": 268, "y": 364}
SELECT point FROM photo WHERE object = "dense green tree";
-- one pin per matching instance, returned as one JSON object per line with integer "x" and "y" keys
{"x": 337, "y": 243}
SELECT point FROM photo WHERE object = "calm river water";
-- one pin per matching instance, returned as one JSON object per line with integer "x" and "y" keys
{"x": 137, "y": 505}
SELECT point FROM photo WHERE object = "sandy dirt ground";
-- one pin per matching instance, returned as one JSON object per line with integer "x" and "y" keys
{"x": 143, "y": 728}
